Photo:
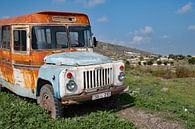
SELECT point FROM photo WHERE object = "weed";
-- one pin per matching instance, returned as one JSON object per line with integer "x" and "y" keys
{"x": 16, "y": 113}
{"x": 175, "y": 96}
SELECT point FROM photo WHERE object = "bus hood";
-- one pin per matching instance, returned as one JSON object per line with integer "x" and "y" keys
{"x": 77, "y": 58}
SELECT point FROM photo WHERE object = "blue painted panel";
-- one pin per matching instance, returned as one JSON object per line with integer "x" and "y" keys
{"x": 21, "y": 91}
{"x": 77, "y": 58}
{"x": 46, "y": 72}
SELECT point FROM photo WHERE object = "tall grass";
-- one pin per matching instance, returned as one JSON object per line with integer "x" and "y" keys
{"x": 174, "y": 96}
{"x": 165, "y": 72}
{"x": 17, "y": 113}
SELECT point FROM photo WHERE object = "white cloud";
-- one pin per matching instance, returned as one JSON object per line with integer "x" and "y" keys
{"x": 186, "y": 8}
{"x": 102, "y": 19}
{"x": 147, "y": 30}
{"x": 192, "y": 27}
{"x": 93, "y": 3}
{"x": 165, "y": 36}
{"x": 137, "y": 39}
{"x": 141, "y": 36}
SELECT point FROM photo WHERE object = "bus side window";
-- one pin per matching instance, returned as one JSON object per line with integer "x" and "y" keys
{"x": 6, "y": 37}
{"x": 20, "y": 37}
{"x": 0, "y": 35}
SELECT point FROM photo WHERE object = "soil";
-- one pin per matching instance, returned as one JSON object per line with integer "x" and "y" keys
{"x": 147, "y": 120}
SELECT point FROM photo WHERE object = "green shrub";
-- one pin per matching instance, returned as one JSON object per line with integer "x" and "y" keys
{"x": 150, "y": 63}
{"x": 165, "y": 63}
{"x": 183, "y": 72}
{"x": 159, "y": 62}
{"x": 127, "y": 63}
{"x": 171, "y": 62}
{"x": 17, "y": 113}
{"x": 176, "y": 102}
{"x": 165, "y": 73}
{"x": 191, "y": 61}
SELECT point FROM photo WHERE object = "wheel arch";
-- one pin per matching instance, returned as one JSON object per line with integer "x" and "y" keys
{"x": 41, "y": 82}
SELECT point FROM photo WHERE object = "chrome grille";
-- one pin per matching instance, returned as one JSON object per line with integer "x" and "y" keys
{"x": 97, "y": 78}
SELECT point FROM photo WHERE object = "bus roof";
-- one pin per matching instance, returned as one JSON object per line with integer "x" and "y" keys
{"x": 47, "y": 17}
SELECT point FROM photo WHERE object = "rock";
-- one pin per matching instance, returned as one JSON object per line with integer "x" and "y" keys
{"x": 165, "y": 89}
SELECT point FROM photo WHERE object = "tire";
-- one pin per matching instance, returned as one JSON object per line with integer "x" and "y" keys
{"x": 1, "y": 88}
{"x": 48, "y": 101}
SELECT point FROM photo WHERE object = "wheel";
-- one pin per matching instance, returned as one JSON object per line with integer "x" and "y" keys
{"x": 1, "y": 88}
{"x": 48, "y": 101}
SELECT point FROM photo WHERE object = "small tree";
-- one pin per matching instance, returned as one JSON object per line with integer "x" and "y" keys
{"x": 180, "y": 57}
{"x": 165, "y": 63}
{"x": 172, "y": 56}
{"x": 171, "y": 62}
{"x": 159, "y": 62}
{"x": 189, "y": 56}
{"x": 191, "y": 61}
{"x": 150, "y": 63}
{"x": 127, "y": 62}
{"x": 141, "y": 58}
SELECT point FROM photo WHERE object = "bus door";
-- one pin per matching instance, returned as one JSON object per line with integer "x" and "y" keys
{"x": 21, "y": 59}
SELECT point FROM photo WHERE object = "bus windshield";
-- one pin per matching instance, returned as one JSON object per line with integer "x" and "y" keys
{"x": 59, "y": 37}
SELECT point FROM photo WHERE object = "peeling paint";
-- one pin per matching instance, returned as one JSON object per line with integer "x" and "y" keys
{"x": 19, "y": 71}
{"x": 77, "y": 58}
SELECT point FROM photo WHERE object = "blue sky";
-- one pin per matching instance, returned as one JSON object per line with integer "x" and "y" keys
{"x": 160, "y": 26}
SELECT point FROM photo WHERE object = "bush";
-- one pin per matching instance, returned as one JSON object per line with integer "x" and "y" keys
{"x": 127, "y": 63}
{"x": 191, "y": 61}
{"x": 150, "y": 63}
{"x": 159, "y": 62}
{"x": 171, "y": 62}
{"x": 183, "y": 72}
{"x": 164, "y": 73}
{"x": 16, "y": 113}
{"x": 165, "y": 63}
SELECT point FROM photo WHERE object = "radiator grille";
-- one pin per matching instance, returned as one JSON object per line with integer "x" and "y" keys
{"x": 97, "y": 78}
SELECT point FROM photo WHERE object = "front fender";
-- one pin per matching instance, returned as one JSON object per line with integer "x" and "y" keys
{"x": 50, "y": 73}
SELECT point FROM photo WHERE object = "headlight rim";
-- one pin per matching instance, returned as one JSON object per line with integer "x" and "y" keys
{"x": 121, "y": 76}
{"x": 71, "y": 82}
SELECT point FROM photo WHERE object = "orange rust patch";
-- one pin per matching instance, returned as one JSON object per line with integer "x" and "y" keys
{"x": 30, "y": 78}
{"x": 45, "y": 17}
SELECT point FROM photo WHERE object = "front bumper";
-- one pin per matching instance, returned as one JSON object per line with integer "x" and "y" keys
{"x": 76, "y": 99}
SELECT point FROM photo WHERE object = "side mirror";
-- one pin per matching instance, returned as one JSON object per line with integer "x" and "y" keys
{"x": 94, "y": 42}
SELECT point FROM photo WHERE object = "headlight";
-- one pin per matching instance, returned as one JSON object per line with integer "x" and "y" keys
{"x": 121, "y": 76}
{"x": 71, "y": 85}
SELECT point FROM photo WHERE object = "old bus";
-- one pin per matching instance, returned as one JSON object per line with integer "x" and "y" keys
{"x": 48, "y": 56}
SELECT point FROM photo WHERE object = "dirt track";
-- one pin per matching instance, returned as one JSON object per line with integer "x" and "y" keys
{"x": 145, "y": 120}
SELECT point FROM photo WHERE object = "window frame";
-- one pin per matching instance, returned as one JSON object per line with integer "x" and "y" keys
{"x": 18, "y": 39}
{"x": 2, "y": 36}
{"x": 67, "y": 30}
{"x": 26, "y": 28}
{"x": 53, "y": 38}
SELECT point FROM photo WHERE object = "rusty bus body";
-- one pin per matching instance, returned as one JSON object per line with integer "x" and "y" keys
{"x": 49, "y": 56}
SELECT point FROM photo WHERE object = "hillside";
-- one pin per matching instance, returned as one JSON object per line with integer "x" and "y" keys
{"x": 119, "y": 52}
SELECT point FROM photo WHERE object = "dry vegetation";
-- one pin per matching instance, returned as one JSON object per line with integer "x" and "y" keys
{"x": 165, "y": 89}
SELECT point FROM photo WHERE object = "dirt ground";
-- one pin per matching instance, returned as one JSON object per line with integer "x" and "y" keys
{"x": 146, "y": 120}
